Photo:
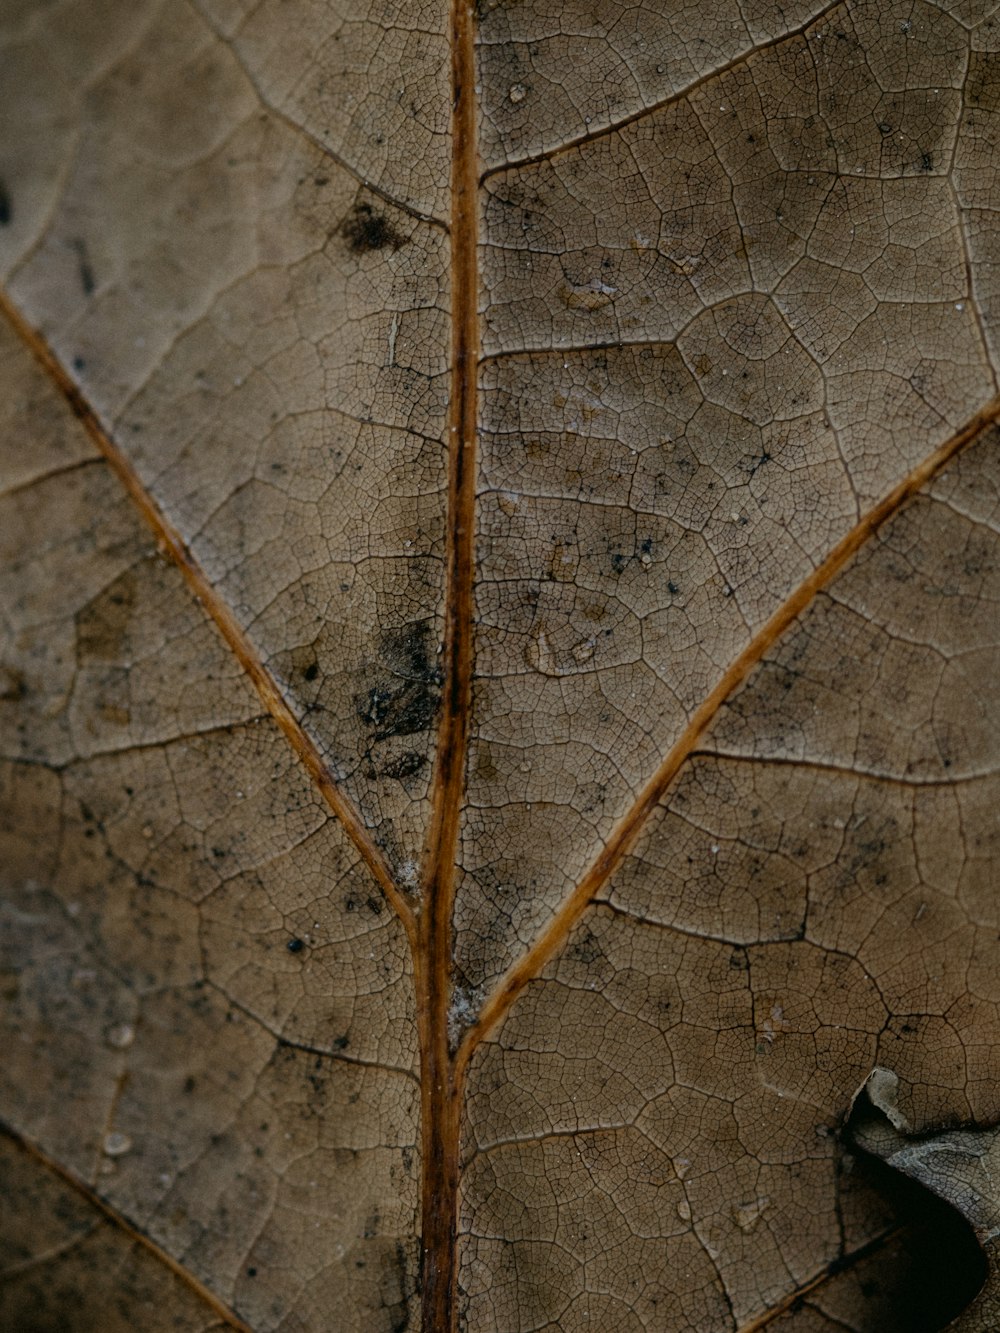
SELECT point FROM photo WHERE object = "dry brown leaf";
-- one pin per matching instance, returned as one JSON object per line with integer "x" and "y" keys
{"x": 501, "y": 525}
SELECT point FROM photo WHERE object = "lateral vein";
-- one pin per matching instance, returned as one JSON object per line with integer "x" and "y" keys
{"x": 628, "y": 828}
{"x": 233, "y": 633}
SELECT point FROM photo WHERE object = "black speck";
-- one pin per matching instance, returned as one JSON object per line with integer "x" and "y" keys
{"x": 365, "y": 230}
{"x": 251, "y": 1272}
{"x": 926, "y": 162}
{"x": 311, "y": 671}
{"x": 79, "y": 363}
{"x": 340, "y": 1043}
{"x": 295, "y": 946}
{"x": 6, "y": 211}
{"x": 83, "y": 266}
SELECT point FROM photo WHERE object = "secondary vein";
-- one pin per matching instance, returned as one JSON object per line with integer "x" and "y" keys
{"x": 234, "y": 634}
{"x": 628, "y": 828}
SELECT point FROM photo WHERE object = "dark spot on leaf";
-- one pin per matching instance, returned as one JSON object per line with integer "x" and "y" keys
{"x": 404, "y": 698}
{"x": 365, "y": 230}
{"x": 103, "y": 627}
{"x": 586, "y": 949}
{"x": 12, "y": 686}
{"x": 409, "y": 651}
{"x": 84, "y": 268}
{"x": 399, "y": 712}
{"x": 405, "y": 766}
{"x": 295, "y": 946}
{"x": 6, "y": 211}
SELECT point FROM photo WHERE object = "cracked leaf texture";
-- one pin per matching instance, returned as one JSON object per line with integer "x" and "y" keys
{"x": 678, "y": 521}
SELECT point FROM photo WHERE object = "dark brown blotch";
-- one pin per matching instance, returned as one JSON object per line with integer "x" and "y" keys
{"x": 365, "y": 230}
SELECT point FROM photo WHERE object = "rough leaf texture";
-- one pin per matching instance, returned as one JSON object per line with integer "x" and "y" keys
{"x": 500, "y": 516}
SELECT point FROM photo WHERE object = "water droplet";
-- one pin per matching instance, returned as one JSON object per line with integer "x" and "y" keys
{"x": 517, "y": 92}
{"x": 120, "y": 1037}
{"x": 684, "y": 1211}
{"x": 116, "y": 1144}
{"x": 592, "y": 295}
{"x": 540, "y": 654}
{"x": 583, "y": 651}
{"x": 747, "y": 1215}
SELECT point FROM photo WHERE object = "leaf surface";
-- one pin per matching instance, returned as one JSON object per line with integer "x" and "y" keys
{"x": 498, "y": 663}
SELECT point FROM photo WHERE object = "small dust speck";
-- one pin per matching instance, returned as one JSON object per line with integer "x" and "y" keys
{"x": 517, "y": 92}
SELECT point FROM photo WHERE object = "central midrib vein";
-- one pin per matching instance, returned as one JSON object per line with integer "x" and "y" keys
{"x": 442, "y": 1070}
{"x": 433, "y": 957}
